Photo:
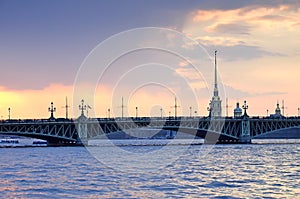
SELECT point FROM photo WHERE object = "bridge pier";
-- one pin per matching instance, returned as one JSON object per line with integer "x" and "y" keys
{"x": 245, "y": 137}
{"x": 82, "y": 130}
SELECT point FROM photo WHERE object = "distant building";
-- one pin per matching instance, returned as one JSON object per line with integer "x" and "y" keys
{"x": 237, "y": 112}
{"x": 215, "y": 107}
{"x": 277, "y": 112}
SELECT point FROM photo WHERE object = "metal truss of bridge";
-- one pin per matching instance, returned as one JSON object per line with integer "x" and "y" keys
{"x": 56, "y": 133}
{"x": 220, "y": 129}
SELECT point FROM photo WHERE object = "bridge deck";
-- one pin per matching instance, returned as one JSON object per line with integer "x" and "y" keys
{"x": 70, "y": 131}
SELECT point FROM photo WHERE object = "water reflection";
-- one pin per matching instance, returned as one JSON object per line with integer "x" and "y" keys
{"x": 227, "y": 171}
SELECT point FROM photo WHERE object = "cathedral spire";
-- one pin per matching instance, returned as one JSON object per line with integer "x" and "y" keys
{"x": 216, "y": 92}
{"x": 215, "y": 106}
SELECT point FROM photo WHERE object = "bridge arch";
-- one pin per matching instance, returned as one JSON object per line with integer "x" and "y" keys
{"x": 51, "y": 139}
{"x": 201, "y": 132}
{"x": 292, "y": 132}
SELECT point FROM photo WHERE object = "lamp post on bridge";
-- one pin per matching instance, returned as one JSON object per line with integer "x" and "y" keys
{"x": 245, "y": 107}
{"x": 267, "y": 112}
{"x": 8, "y": 113}
{"x": 161, "y": 112}
{"x": 175, "y": 108}
{"x": 122, "y": 107}
{"x": 108, "y": 113}
{"x": 82, "y": 107}
{"x": 190, "y": 112}
{"x": 52, "y": 109}
{"x": 66, "y": 107}
{"x": 136, "y": 112}
{"x": 298, "y": 111}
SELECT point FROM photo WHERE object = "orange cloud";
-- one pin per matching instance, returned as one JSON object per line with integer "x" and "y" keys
{"x": 219, "y": 40}
{"x": 237, "y": 19}
{"x": 183, "y": 63}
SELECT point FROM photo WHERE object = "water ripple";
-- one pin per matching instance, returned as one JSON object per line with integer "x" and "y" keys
{"x": 228, "y": 171}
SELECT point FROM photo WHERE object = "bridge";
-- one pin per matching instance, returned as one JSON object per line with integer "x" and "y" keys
{"x": 213, "y": 130}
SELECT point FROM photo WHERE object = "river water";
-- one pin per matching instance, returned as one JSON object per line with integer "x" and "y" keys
{"x": 226, "y": 171}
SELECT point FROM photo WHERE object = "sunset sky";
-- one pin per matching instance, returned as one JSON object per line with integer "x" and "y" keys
{"x": 43, "y": 44}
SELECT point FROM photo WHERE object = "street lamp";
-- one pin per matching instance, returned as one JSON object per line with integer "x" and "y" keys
{"x": 136, "y": 112}
{"x": 108, "y": 113}
{"x": 190, "y": 112}
{"x": 245, "y": 107}
{"x": 8, "y": 113}
{"x": 82, "y": 107}
{"x": 51, "y": 109}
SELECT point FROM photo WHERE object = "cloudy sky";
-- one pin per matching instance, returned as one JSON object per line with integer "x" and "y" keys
{"x": 44, "y": 43}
